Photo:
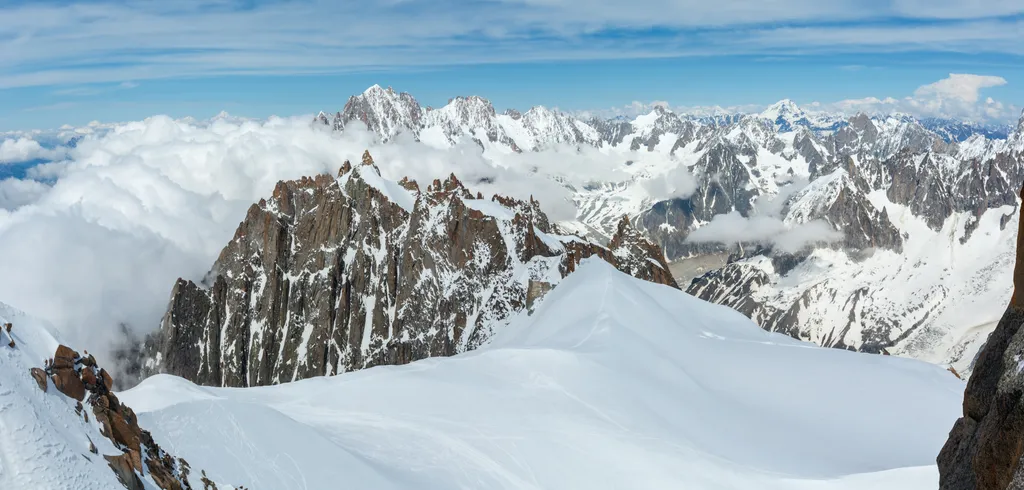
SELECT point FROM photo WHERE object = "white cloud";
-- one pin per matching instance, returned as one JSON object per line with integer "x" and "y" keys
{"x": 958, "y": 96}
{"x": 143, "y": 203}
{"x": 22, "y": 149}
{"x": 15, "y": 193}
{"x": 733, "y": 228}
{"x": 676, "y": 183}
{"x": 765, "y": 225}
{"x": 958, "y": 86}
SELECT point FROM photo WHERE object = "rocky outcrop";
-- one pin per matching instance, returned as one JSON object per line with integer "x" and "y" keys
{"x": 638, "y": 257}
{"x": 334, "y": 274}
{"x": 985, "y": 448}
{"x": 141, "y": 457}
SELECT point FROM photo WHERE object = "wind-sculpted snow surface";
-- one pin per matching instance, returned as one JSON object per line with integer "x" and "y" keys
{"x": 612, "y": 382}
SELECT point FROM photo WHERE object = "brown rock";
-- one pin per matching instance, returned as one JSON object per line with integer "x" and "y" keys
{"x": 89, "y": 378}
{"x": 122, "y": 467}
{"x": 40, "y": 376}
{"x": 100, "y": 403}
{"x": 64, "y": 357}
{"x": 122, "y": 432}
{"x": 8, "y": 327}
{"x": 367, "y": 159}
{"x": 162, "y": 472}
{"x": 108, "y": 382}
{"x": 66, "y": 381}
{"x": 92, "y": 447}
{"x": 953, "y": 370}
{"x": 104, "y": 421}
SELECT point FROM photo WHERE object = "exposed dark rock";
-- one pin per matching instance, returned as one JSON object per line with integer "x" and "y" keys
{"x": 333, "y": 274}
{"x": 140, "y": 454}
{"x": 986, "y": 445}
{"x": 638, "y": 257}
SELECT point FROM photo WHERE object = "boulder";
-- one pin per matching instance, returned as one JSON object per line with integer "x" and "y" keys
{"x": 123, "y": 469}
{"x": 89, "y": 378}
{"x": 64, "y": 357}
{"x": 108, "y": 382}
{"x": 67, "y": 382}
{"x": 40, "y": 376}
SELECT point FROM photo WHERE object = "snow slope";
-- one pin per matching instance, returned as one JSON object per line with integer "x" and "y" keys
{"x": 43, "y": 444}
{"x": 612, "y": 383}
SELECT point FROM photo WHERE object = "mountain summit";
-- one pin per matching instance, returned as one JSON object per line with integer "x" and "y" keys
{"x": 335, "y": 274}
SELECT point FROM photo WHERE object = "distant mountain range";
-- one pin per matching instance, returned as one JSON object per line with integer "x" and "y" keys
{"x": 912, "y": 206}
{"x": 388, "y": 113}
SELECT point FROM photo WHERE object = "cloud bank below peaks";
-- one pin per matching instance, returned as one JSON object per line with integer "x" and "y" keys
{"x": 136, "y": 207}
{"x": 767, "y": 226}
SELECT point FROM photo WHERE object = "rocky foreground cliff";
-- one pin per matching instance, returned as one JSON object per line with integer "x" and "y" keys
{"x": 986, "y": 446}
{"x": 62, "y": 426}
{"x": 333, "y": 274}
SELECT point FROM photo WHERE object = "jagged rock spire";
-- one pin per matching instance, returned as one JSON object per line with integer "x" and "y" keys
{"x": 367, "y": 159}
{"x": 369, "y": 276}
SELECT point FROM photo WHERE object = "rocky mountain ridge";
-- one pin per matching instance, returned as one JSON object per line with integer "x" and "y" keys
{"x": 334, "y": 274}
{"x": 886, "y": 185}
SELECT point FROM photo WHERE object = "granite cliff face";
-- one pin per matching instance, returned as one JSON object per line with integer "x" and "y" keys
{"x": 986, "y": 446}
{"x": 334, "y": 274}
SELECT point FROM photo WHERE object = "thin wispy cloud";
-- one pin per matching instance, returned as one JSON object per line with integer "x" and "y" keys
{"x": 110, "y": 42}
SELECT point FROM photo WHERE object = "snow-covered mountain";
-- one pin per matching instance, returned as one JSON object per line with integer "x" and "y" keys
{"x": 612, "y": 382}
{"x": 787, "y": 116}
{"x": 886, "y": 185}
{"x": 334, "y": 274}
{"x": 954, "y": 130}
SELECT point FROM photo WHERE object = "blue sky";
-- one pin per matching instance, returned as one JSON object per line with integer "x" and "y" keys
{"x": 73, "y": 62}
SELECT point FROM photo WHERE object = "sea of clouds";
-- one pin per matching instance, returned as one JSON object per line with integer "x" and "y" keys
{"x": 96, "y": 238}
